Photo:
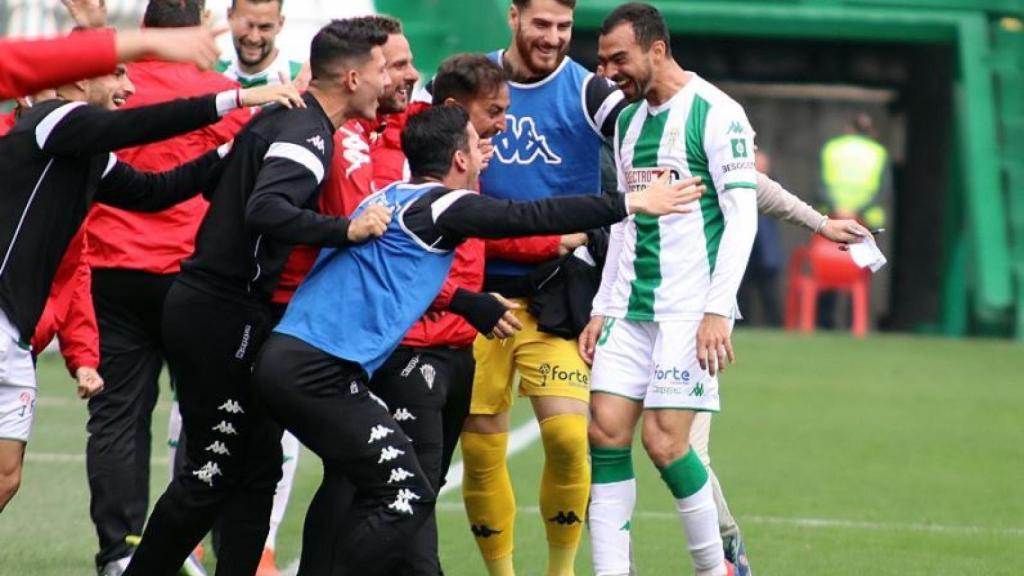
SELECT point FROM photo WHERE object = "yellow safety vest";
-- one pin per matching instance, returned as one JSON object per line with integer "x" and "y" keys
{"x": 852, "y": 167}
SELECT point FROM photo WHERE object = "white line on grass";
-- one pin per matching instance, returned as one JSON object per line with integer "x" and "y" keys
{"x": 518, "y": 440}
{"x": 805, "y": 522}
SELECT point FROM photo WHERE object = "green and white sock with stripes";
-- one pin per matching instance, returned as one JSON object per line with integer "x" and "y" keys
{"x": 612, "y": 499}
{"x": 688, "y": 480}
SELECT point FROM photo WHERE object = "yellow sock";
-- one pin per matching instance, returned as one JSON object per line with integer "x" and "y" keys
{"x": 500, "y": 567}
{"x": 564, "y": 488}
{"x": 490, "y": 503}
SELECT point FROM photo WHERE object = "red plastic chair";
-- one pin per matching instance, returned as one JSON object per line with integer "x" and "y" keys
{"x": 820, "y": 267}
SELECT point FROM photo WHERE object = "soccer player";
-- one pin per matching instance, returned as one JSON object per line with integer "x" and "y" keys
{"x": 352, "y": 310}
{"x": 257, "y": 60}
{"x": 558, "y": 115}
{"x": 667, "y": 301}
{"x": 55, "y": 162}
{"x": 217, "y": 311}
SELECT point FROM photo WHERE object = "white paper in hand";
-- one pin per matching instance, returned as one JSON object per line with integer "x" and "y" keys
{"x": 867, "y": 255}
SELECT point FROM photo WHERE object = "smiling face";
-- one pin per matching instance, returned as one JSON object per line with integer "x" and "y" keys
{"x": 110, "y": 91}
{"x": 623, "y": 61}
{"x": 401, "y": 72}
{"x": 542, "y": 30}
{"x": 254, "y": 29}
{"x": 487, "y": 112}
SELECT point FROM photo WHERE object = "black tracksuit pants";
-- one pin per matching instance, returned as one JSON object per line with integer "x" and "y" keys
{"x": 233, "y": 448}
{"x": 427, "y": 392}
{"x": 324, "y": 401}
{"x": 129, "y": 306}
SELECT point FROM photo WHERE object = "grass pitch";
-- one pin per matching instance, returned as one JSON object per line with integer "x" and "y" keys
{"x": 892, "y": 455}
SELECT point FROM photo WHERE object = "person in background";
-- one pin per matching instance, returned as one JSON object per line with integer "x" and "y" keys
{"x": 856, "y": 178}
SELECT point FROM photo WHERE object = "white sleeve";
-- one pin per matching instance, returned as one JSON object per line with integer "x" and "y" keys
{"x": 729, "y": 145}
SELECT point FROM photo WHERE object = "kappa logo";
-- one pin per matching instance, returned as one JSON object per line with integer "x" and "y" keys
{"x": 403, "y": 415}
{"x": 735, "y": 127}
{"x": 207, "y": 473}
{"x": 379, "y": 432}
{"x": 389, "y": 453}
{"x": 698, "y": 390}
{"x": 399, "y": 475}
{"x": 218, "y": 447}
{"x": 566, "y": 518}
{"x": 410, "y": 366}
{"x": 231, "y": 407}
{"x": 522, "y": 144}
{"x": 354, "y": 150}
{"x": 226, "y": 428}
{"x": 428, "y": 373}
{"x": 317, "y": 142}
{"x": 483, "y": 530}
{"x": 403, "y": 500}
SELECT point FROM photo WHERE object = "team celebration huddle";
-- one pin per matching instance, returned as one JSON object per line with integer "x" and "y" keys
{"x": 343, "y": 254}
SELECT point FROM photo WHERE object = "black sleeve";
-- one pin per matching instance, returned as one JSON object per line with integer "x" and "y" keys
{"x": 446, "y": 217}
{"x": 604, "y": 102}
{"x": 293, "y": 169}
{"x": 78, "y": 128}
{"x": 125, "y": 187}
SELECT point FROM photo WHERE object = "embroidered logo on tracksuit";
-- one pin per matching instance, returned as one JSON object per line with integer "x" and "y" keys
{"x": 208, "y": 472}
{"x": 402, "y": 500}
{"x": 379, "y": 432}
{"x": 399, "y": 475}
{"x": 389, "y": 453}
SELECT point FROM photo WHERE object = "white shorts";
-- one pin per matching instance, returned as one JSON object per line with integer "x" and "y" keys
{"x": 17, "y": 385}
{"x": 653, "y": 362}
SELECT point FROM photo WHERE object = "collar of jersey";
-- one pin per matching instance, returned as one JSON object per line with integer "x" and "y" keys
{"x": 538, "y": 83}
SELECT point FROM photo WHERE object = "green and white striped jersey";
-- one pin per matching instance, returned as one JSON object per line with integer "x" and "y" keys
{"x": 270, "y": 75}
{"x": 681, "y": 266}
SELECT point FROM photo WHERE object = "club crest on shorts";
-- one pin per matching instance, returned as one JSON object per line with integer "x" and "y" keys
{"x": 429, "y": 373}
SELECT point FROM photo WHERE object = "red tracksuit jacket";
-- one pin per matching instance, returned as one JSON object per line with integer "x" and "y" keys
{"x": 32, "y": 65}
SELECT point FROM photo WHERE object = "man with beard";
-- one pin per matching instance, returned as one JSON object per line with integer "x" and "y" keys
{"x": 558, "y": 117}
{"x": 663, "y": 315}
{"x": 218, "y": 313}
{"x": 55, "y": 162}
{"x": 134, "y": 258}
{"x": 352, "y": 310}
{"x": 255, "y": 25}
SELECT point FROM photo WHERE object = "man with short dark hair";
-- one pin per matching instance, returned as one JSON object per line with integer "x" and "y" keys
{"x": 55, "y": 162}
{"x": 663, "y": 315}
{"x": 353, "y": 309}
{"x": 217, "y": 311}
{"x": 134, "y": 258}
